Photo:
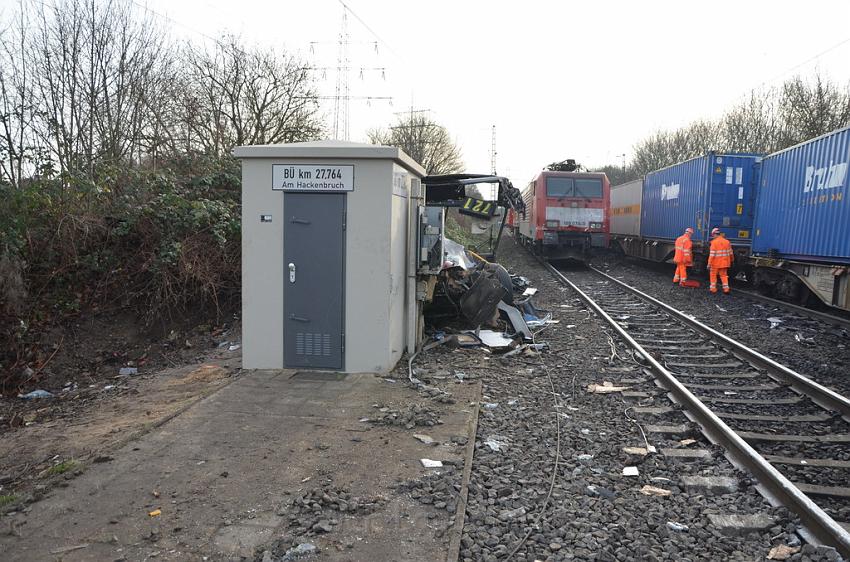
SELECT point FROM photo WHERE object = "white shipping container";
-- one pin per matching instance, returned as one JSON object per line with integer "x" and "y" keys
{"x": 625, "y": 208}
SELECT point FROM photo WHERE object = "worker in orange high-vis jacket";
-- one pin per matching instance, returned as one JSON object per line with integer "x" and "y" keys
{"x": 683, "y": 258}
{"x": 720, "y": 257}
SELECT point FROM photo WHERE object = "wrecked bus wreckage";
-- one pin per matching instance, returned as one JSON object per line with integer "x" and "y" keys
{"x": 466, "y": 290}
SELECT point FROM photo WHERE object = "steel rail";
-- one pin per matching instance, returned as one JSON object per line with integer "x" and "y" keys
{"x": 810, "y": 312}
{"x": 772, "y": 484}
{"x": 825, "y": 397}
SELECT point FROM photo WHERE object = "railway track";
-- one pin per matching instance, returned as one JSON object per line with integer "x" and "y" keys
{"x": 791, "y": 433}
{"x": 833, "y": 319}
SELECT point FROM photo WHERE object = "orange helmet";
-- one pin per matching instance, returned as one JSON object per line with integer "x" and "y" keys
{"x": 689, "y": 230}
{"x": 715, "y": 231}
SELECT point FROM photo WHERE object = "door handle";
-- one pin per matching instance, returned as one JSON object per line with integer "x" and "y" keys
{"x": 292, "y": 273}
{"x": 298, "y": 318}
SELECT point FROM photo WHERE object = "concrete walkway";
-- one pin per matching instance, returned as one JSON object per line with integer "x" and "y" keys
{"x": 220, "y": 472}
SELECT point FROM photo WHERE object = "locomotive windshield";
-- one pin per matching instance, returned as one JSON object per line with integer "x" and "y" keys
{"x": 560, "y": 187}
{"x": 590, "y": 188}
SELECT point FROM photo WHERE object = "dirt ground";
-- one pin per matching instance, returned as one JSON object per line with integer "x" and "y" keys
{"x": 221, "y": 458}
{"x": 64, "y": 435}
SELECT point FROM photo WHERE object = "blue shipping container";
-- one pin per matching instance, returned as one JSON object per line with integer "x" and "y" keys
{"x": 715, "y": 190}
{"x": 803, "y": 207}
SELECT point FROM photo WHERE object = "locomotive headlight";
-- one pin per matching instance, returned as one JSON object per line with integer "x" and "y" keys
{"x": 596, "y": 225}
{"x": 553, "y": 224}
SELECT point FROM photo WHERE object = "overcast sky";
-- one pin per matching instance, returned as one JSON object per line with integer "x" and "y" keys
{"x": 584, "y": 80}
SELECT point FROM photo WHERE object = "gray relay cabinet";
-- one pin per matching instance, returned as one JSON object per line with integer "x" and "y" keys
{"x": 329, "y": 244}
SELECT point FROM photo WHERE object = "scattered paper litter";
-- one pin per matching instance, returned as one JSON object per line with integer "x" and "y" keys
{"x": 605, "y": 388}
{"x": 648, "y": 490}
{"x": 630, "y": 471}
{"x": 782, "y": 552}
{"x": 635, "y": 450}
{"x": 66, "y": 549}
{"x": 529, "y": 292}
{"x": 428, "y": 440}
{"x": 428, "y": 463}
{"x": 686, "y": 442}
{"x": 494, "y": 339}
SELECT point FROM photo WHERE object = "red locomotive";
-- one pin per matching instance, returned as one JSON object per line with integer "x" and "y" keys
{"x": 566, "y": 212}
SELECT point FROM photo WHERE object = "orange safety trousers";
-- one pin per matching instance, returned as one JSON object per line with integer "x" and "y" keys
{"x": 681, "y": 273}
{"x": 724, "y": 278}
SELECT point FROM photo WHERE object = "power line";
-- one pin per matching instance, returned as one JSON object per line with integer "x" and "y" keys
{"x": 369, "y": 29}
{"x": 793, "y": 68}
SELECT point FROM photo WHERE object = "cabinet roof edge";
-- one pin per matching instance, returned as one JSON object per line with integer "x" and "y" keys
{"x": 334, "y": 149}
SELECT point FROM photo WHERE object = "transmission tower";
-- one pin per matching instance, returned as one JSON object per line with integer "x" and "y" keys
{"x": 493, "y": 151}
{"x": 342, "y": 92}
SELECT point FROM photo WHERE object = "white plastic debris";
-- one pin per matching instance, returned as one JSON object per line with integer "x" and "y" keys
{"x": 673, "y": 526}
{"x": 529, "y": 292}
{"x": 496, "y": 443}
{"x": 630, "y": 471}
{"x": 299, "y": 551}
{"x": 428, "y": 463}
{"x": 774, "y": 321}
{"x": 35, "y": 394}
{"x": 494, "y": 339}
{"x": 233, "y": 347}
{"x": 491, "y": 405}
{"x": 124, "y": 371}
{"x": 804, "y": 340}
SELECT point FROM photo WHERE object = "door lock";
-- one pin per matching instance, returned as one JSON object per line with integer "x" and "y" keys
{"x": 292, "y": 273}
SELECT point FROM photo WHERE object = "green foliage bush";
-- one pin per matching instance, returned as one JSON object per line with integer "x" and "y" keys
{"x": 157, "y": 242}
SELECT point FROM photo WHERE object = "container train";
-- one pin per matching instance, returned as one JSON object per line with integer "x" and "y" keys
{"x": 566, "y": 214}
{"x": 787, "y": 215}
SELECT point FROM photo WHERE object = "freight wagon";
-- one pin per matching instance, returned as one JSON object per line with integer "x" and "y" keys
{"x": 801, "y": 242}
{"x": 566, "y": 214}
{"x": 715, "y": 190}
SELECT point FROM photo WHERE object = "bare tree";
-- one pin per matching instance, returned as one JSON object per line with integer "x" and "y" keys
{"x": 752, "y": 126}
{"x": 237, "y": 95}
{"x": 425, "y": 141}
{"x": 94, "y": 67}
{"x": 17, "y": 147}
{"x": 812, "y": 108}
